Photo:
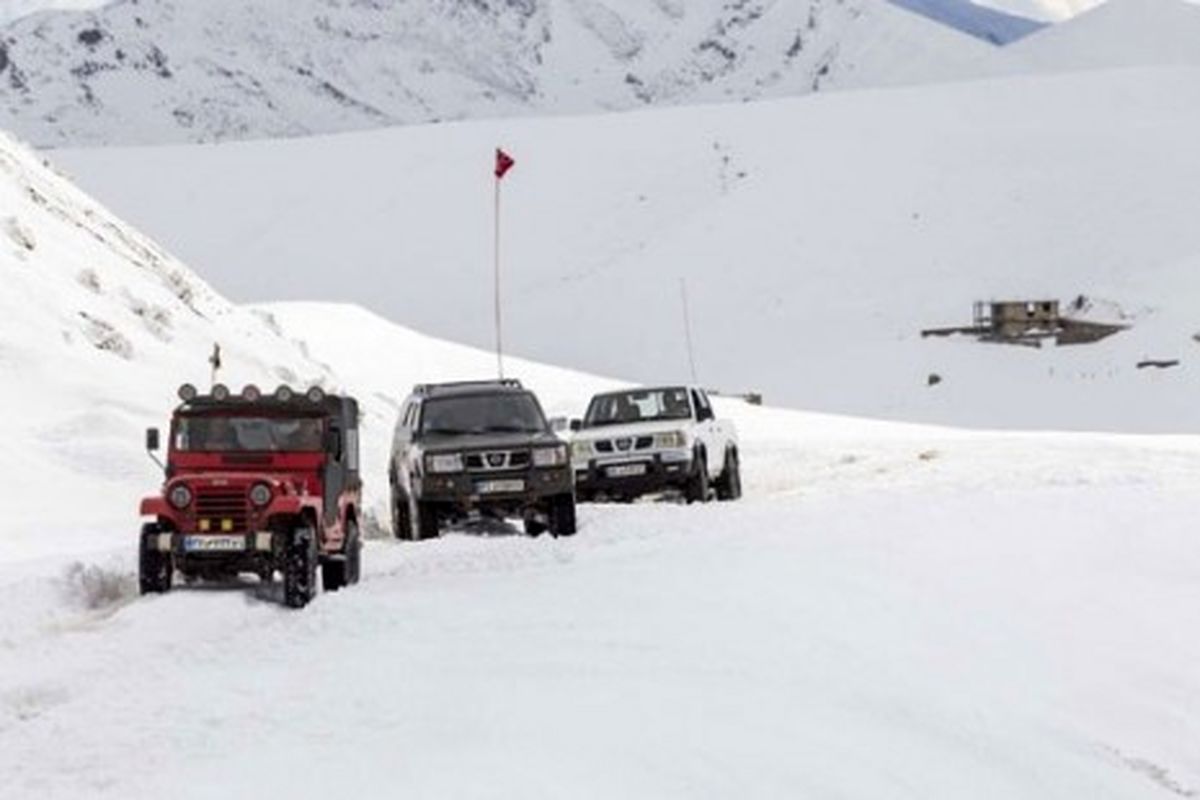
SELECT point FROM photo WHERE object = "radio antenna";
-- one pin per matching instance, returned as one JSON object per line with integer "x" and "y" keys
{"x": 687, "y": 328}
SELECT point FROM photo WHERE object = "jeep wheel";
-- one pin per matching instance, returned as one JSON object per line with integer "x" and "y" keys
{"x": 697, "y": 486}
{"x": 155, "y": 568}
{"x": 401, "y": 518}
{"x": 562, "y": 515}
{"x": 424, "y": 521}
{"x": 729, "y": 485}
{"x": 300, "y": 568}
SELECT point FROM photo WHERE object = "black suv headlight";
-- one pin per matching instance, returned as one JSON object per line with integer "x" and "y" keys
{"x": 550, "y": 456}
{"x": 443, "y": 462}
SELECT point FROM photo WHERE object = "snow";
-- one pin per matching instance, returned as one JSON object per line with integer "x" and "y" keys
{"x": 814, "y": 234}
{"x": 209, "y": 70}
{"x": 1120, "y": 33}
{"x": 893, "y": 610}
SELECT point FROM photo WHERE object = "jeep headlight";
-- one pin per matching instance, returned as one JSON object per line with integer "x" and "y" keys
{"x": 260, "y": 494}
{"x": 444, "y": 462}
{"x": 550, "y": 456}
{"x": 581, "y": 451}
{"x": 670, "y": 440}
{"x": 180, "y": 496}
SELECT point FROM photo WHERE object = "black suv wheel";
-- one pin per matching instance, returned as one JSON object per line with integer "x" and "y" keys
{"x": 562, "y": 515}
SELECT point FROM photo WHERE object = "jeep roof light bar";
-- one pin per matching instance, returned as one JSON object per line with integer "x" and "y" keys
{"x": 431, "y": 388}
{"x": 250, "y": 394}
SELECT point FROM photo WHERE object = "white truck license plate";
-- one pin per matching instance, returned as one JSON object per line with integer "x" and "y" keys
{"x": 626, "y": 470}
{"x": 214, "y": 544}
{"x": 500, "y": 487}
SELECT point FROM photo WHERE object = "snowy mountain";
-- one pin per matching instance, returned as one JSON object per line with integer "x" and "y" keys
{"x": 185, "y": 70}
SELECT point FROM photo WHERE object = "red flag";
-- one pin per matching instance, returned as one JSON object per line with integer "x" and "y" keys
{"x": 504, "y": 162}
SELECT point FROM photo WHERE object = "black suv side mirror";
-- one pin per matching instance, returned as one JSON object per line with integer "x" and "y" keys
{"x": 576, "y": 425}
{"x": 152, "y": 440}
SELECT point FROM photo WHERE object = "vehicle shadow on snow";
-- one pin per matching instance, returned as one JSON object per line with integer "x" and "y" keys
{"x": 254, "y": 590}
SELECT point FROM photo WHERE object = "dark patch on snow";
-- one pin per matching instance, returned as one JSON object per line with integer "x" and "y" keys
{"x": 91, "y": 36}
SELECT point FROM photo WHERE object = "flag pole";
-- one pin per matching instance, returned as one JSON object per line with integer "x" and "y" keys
{"x": 496, "y": 288}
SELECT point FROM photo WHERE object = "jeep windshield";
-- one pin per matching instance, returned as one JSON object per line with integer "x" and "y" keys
{"x": 224, "y": 434}
{"x": 512, "y": 412}
{"x": 639, "y": 405}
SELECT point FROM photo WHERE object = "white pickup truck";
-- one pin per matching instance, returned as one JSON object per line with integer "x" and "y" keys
{"x": 647, "y": 441}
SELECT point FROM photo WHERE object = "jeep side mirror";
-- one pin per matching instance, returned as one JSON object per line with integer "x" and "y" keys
{"x": 703, "y": 414}
{"x": 152, "y": 440}
{"x": 576, "y": 425}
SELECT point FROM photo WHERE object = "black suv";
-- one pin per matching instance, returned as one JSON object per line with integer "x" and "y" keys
{"x": 478, "y": 448}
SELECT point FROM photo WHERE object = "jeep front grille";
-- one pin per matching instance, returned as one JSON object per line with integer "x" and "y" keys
{"x": 219, "y": 503}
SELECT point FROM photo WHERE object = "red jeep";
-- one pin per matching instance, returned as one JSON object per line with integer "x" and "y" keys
{"x": 259, "y": 484}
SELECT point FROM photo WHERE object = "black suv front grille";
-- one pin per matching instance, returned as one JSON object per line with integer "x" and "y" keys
{"x": 220, "y": 503}
{"x": 495, "y": 460}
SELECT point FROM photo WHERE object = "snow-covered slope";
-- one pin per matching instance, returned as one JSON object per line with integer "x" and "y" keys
{"x": 799, "y": 642}
{"x": 818, "y": 236}
{"x": 201, "y": 70}
{"x": 1119, "y": 33}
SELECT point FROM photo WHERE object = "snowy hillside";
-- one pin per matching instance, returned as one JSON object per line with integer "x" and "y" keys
{"x": 1120, "y": 33}
{"x": 818, "y": 236}
{"x": 204, "y": 70}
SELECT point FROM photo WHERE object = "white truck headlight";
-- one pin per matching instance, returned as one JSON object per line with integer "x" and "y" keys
{"x": 180, "y": 496}
{"x": 581, "y": 451}
{"x": 670, "y": 440}
{"x": 444, "y": 462}
{"x": 550, "y": 456}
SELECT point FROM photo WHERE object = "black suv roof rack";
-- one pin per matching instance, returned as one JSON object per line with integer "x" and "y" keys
{"x": 427, "y": 389}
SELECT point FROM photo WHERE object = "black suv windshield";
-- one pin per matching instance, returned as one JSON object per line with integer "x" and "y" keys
{"x": 640, "y": 405}
{"x": 511, "y": 412}
{"x": 253, "y": 434}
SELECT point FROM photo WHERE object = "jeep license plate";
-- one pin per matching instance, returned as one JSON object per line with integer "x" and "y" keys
{"x": 214, "y": 544}
{"x": 626, "y": 470}
{"x": 500, "y": 487}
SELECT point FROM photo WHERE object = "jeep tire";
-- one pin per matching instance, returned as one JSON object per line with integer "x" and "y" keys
{"x": 562, "y": 515}
{"x": 300, "y": 568}
{"x": 156, "y": 569}
{"x": 342, "y": 571}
